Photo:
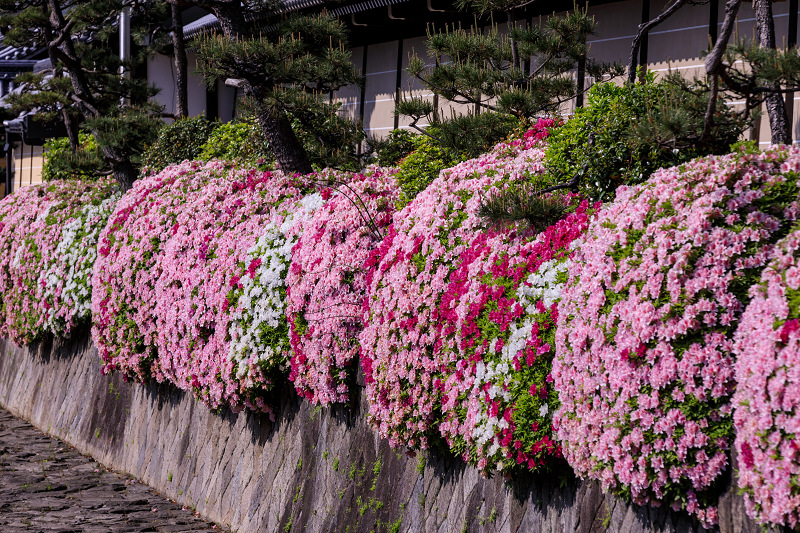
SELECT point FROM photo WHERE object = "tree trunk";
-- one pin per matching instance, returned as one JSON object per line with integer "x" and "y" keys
{"x": 123, "y": 170}
{"x": 62, "y": 49}
{"x": 231, "y": 21}
{"x": 514, "y": 47}
{"x": 181, "y": 89}
{"x": 288, "y": 151}
{"x": 64, "y": 52}
{"x": 776, "y": 110}
{"x": 71, "y": 125}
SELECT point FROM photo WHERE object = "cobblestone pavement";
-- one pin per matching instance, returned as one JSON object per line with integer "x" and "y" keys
{"x": 46, "y": 485}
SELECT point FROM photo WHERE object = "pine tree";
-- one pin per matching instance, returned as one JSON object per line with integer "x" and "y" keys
{"x": 520, "y": 74}
{"x": 756, "y": 72}
{"x": 287, "y": 68}
{"x": 84, "y": 86}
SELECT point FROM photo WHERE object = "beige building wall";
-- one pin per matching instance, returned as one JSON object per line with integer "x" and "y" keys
{"x": 27, "y": 167}
{"x": 161, "y": 73}
{"x": 676, "y": 44}
{"x": 381, "y": 87}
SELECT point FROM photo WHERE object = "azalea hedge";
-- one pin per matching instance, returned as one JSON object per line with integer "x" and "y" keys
{"x": 645, "y": 342}
{"x": 47, "y": 252}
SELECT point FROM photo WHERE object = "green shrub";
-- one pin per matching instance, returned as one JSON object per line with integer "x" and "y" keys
{"x": 241, "y": 142}
{"x": 389, "y": 151}
{"x": 61, "y": 163}
{"x": 422, "y": 166}
{"x": 180, "y": 140}
{"x": 636, "y": 130}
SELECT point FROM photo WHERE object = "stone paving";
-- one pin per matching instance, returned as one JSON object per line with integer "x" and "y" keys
{"x": 46, "y": 485}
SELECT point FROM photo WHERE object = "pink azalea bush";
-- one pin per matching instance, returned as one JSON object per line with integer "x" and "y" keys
{"x": 644, "y": 367}
{"x": 128, "y": 266}
{"x": 49, "y": 233}
{"x": 399, "y": 342}
{"x": 327, "y": 280}
{"x": 767, "y": 398}
{"x": 496, "y": 321}
{"x": 208, "y": 247}
{"x": 221, "y": 295}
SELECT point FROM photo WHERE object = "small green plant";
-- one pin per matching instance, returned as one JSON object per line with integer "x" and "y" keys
{"x": 362, "y": 506}
{"x": 352, "y": 473}
{"x": 390, "y": 151}
{"x": 113, "y": 392}
{"x": 336, "y": 464}
{"x": 169, "y": 477}
{"x": 288, "y": 525}
{"x": 376, "y": 470}
{"x": 421, "y": 462}
{"x": 525, "y": 203}
{"x": 325, "y": 454}
{"x": 394, "y": 527}
{"x": 607, "y": 518}
{"x": 300, "y": 463}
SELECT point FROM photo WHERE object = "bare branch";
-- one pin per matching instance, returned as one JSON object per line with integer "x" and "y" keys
{"x": 714, "y": 63}
{"x": 644, "y": 29}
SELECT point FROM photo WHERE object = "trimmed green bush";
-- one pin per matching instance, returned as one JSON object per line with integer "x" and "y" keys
{"x": 241, "y": 142}
{"x": 61, "y": 163}
{"x": 389, "y": 151}
{"x": 178, "y": 141}
{"x": 421, "y": 167}
{"x": 636, "y": 130}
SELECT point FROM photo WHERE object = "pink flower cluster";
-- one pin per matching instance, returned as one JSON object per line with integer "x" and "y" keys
{"x": 327, "y": 281}
{"x": 47, "y": 240}
{"x": 128, "y": 266}
{"x": 496, "y": 322}
{"x": 185, "y": 272}
{"x": 767, "y": 398}
{"x": 644, "y": 366}
{"x": 204, "y": 270}
{"x": 400, "y": 355}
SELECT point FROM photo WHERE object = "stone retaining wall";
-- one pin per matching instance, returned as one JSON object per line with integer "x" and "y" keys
{"x": 311, "y": 470}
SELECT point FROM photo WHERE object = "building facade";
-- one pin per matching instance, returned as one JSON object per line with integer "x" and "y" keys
{"x": 383, "y": 33}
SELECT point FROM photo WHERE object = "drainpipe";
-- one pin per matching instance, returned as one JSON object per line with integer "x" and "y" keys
{"x": 9, "y": 149}
{"x": 125, "y": 46}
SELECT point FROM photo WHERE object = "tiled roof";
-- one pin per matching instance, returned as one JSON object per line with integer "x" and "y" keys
{"x": 210, "y": 22}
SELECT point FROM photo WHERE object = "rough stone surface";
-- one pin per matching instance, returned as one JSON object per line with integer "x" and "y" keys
{"x": 46, "y": 485}
{"x": 311, "y": 470}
